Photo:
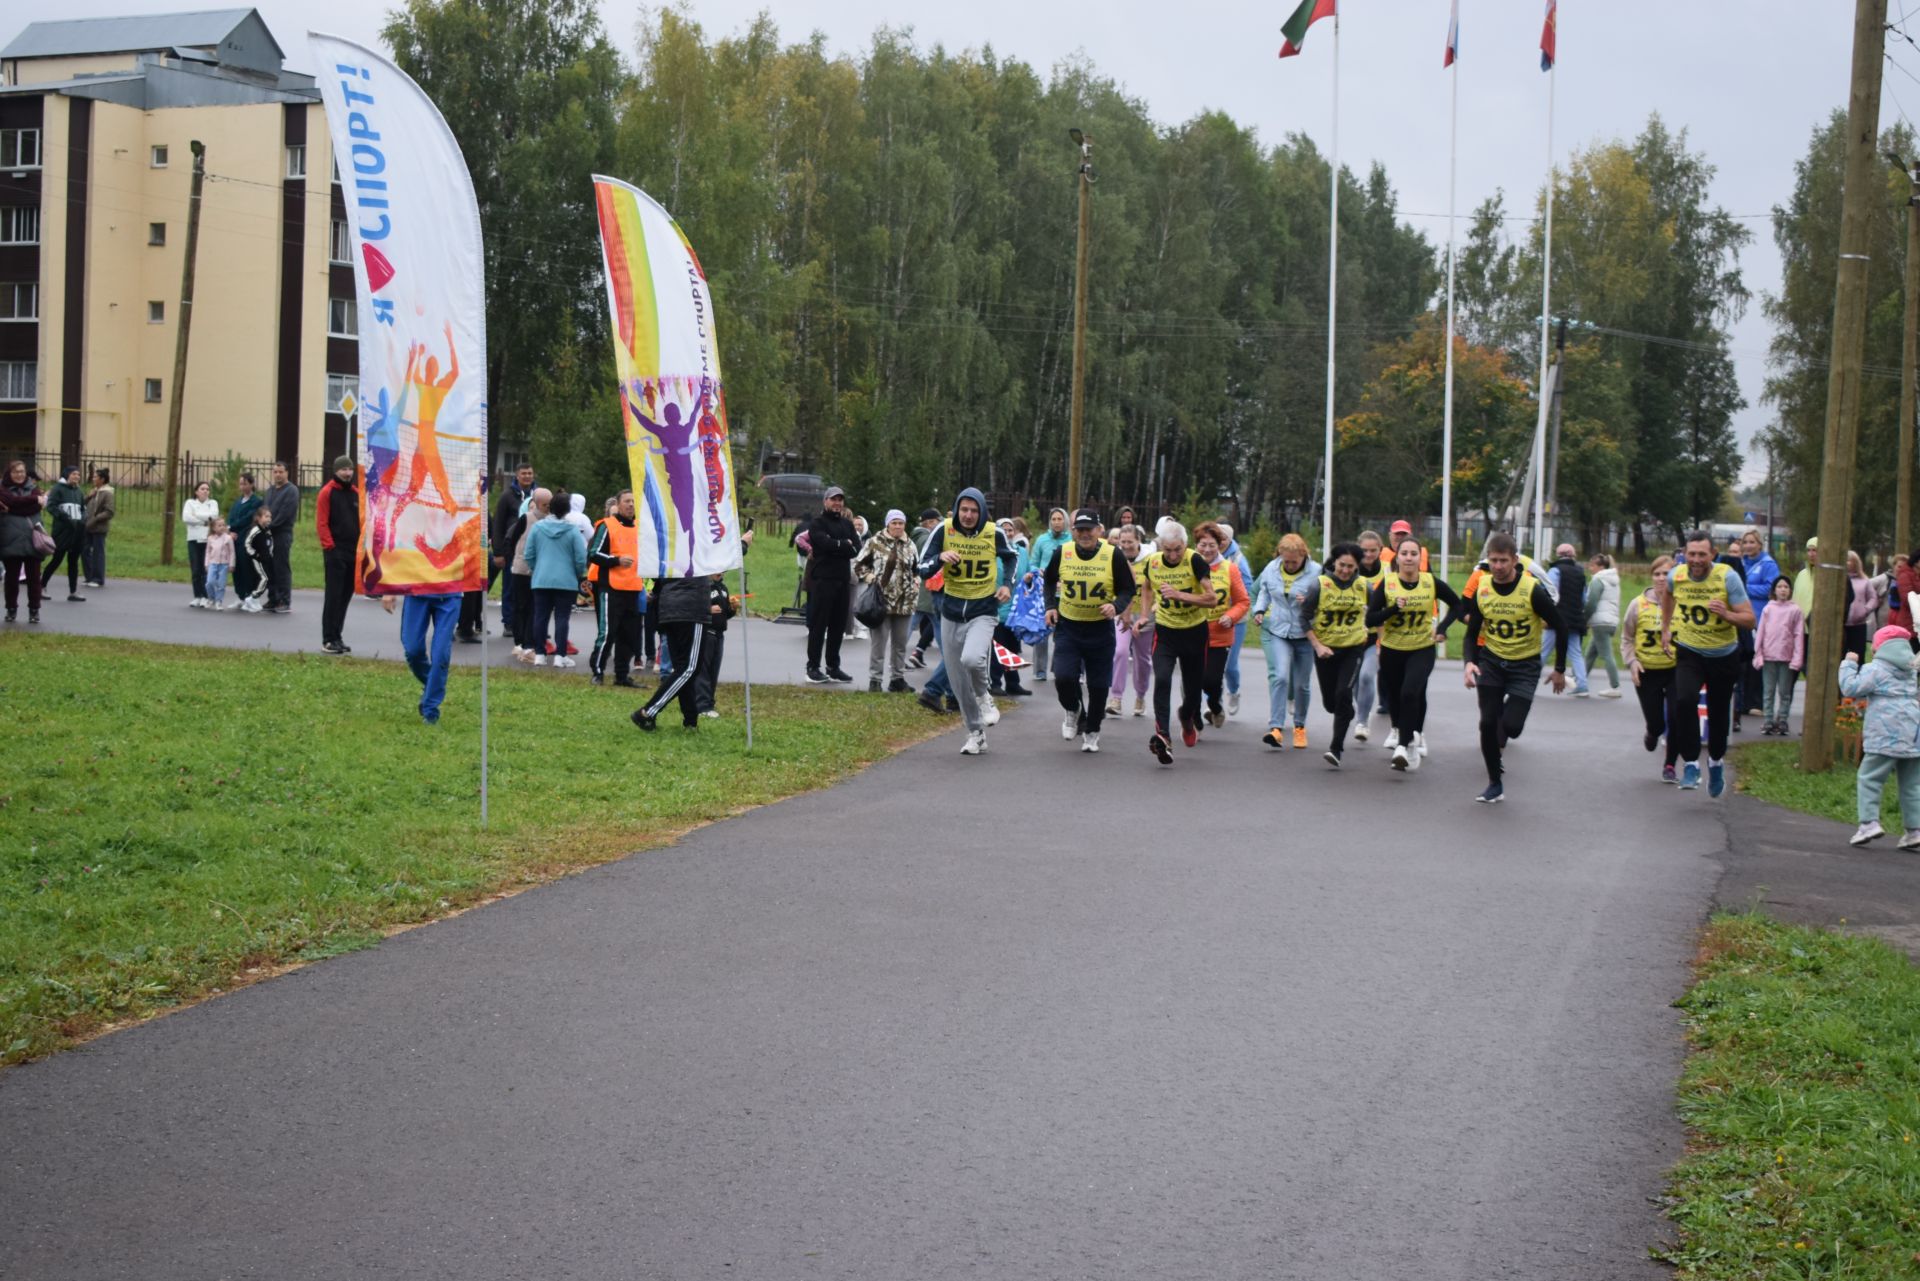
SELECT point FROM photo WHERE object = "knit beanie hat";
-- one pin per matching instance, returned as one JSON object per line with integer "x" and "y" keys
{"x": 1890, "y": 632}
{"x": 344, "y": 463}
{"x": 893, "y": 514}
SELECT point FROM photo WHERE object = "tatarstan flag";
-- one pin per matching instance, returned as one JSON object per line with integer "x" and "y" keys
{"x": 1295, "y": 28}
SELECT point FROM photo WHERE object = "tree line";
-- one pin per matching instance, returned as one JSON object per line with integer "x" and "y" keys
{"x": 890, "y": 242}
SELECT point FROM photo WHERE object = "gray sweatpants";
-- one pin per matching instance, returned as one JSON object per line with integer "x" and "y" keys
{"x": 888, "y": 648}
{"x": 966, "y": 649}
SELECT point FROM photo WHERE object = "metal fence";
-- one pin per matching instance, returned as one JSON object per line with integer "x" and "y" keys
{"x": 139, "y": 480}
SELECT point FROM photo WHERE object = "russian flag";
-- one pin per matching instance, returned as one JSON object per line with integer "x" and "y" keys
{"x": 1453, "y": 36}
{"x": 1547, "y": 34}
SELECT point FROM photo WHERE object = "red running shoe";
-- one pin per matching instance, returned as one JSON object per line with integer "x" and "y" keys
{"x": 1188, "y": 734}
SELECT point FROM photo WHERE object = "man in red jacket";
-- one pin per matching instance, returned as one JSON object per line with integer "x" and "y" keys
{"x": 337, "y": 521}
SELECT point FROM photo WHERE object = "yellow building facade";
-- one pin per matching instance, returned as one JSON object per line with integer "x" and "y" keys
{"x": 97, "y": 123}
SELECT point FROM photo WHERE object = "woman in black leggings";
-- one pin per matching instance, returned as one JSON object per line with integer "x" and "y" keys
{"x": 1336, "y": 611}
{"x": 1402, "y": 606}
{"x": 1650, "y": 668}
{"x": 1179, "y": 590}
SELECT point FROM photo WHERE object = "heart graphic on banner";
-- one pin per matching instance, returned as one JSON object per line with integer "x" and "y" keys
{"x": 379, "y": 270}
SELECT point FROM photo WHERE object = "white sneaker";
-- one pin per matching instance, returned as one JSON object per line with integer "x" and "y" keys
{"x": 1401, "y": 760}
{"x": 1140, "y": 705}
{"x": 1393, "y": 739}
{"x": 197, "y": 604}
{"x": 1360, "y": 732}
{"x": 1911, "y": 841}
{"x": 1091, "y": 743}
{"x": 976, "y": 743}
{"x": 1069, "y": 726}
{"x": 1609, "y": 693}
{"x": 561, "y": 660}
{"x": 1233, "y": 704}
{"x": 1420, "y": 742}
{"x": 1870, "y": 831}
{"x": 1415, "y": 756}
{"x": 540, "y": 660}
{"x": 989, "y": 714}
{"x": 710, "y": 713}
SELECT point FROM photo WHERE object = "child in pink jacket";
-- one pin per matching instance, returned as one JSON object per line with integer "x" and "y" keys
{"x": 1779, "y": 652}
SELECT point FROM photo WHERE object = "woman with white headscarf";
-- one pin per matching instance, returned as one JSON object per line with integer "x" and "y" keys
{"x": 888, "y": 561}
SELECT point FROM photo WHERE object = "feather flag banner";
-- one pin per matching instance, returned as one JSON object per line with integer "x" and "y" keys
{"x": 672, "y": 406}
{"x": 415, "y": 233}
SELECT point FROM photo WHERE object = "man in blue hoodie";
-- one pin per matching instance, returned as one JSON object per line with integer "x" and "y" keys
{"x": 974, "y": 561}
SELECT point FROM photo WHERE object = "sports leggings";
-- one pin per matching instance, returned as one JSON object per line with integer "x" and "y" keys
{"x": 1693, "y": 672}
{"x": 1403, "y": 685}
{"x": 1185, "y": 648}
{"x": 1655, "y": 692}
{"x": 1213, "y": 676}
{"x": 1501, "y": 717}
{"x": 1337, "y": 672}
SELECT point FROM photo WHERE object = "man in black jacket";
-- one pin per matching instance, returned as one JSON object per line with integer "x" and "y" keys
{"x": 336, "y": 520}
{"x": 832, "y": 545}
{"x": 506, "y": 510}
{"x": 1569, "y": 582}
{"x": 684, "y": 610}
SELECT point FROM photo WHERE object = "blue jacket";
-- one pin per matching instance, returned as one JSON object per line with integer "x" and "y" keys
{"x": 1891, "y": 726}
{"x": 1286, "y": 615}
{"x": 556, "y": 554}
{"x": 1238, "y": 557}
{"x": 1761, "y": 571}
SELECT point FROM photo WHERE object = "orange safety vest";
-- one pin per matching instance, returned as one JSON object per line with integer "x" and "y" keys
{"x": 622, "y": 540}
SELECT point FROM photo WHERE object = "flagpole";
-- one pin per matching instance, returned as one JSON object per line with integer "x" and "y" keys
{"x": 1446, "y": 418}
{"x": 746, "y": 655}
{"x": 1546, "y": 319}
{"x": 1333, "y": 266}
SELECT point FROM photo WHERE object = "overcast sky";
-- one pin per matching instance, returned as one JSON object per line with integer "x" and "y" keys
{"x": 1748, "y": 81}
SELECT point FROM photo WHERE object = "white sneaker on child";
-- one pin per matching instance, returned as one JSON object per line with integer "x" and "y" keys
{"x": 1911, "y": 841}
{"x": 1869, "y": 831}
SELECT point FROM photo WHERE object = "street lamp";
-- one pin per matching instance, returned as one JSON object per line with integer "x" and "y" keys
{"x": 1076, "y": 423}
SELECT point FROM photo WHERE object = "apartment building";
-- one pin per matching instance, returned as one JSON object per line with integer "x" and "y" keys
{"x": 97, "y": 121}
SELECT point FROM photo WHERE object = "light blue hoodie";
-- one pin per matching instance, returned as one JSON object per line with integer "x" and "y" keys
{"x": 1891, "y": 726}
{"x": 556, "y": 555}
{"x": 1286, "y": 615}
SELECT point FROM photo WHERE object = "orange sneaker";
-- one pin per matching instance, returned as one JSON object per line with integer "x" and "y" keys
{"x": 1299, "y": 735}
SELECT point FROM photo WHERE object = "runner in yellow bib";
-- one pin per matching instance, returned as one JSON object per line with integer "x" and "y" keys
{"x": 1336, "y": 611}
{"x": 1367, "y": 691}
{"x": 1505, "y": 619}
{"x": 1089, "y": 584}
{"x": 1700, "y": 624}
{"x": 1402, "y": 608}
{"x": 1650, "y": 667}
{"x": 970, "y": 556}
{"x": 1179, "y": 587}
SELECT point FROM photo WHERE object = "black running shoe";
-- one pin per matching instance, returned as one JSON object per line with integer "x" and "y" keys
{"x": 816, "y": 677}
{"x": 1162, "y": 750}
{"x": 643, "y": 720}
{"x": 1493, "y": 795}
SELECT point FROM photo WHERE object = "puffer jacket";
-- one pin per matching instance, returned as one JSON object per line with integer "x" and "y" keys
{"x": 20, "y": 507}
{"x": 890, "y": 562}
{"x": 1603, "y": 599}
{"x": 1891, "y": 726}
{"x": 1286, "y": 614}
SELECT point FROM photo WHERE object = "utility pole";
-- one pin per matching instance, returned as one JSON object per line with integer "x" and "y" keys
{"x": 1862, "y": 195}
{"x": 181, "y": 328}
{"x": 1909, "y": 360}
{"x": 1077, "y": 423}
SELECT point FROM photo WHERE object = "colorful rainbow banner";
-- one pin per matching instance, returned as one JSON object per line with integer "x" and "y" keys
{"x": 421, "y": 404}
{"x": 672, "y": 407}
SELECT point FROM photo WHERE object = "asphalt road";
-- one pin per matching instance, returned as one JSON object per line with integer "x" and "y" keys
{"x": 1031, "y": 1015}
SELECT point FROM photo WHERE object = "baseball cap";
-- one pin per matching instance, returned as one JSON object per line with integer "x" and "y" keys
{"x": 1400, "y": 527}
{"x": 834, "y": 491}
{"x": 1085, "y": 516}
{"x": 931, "y": 513}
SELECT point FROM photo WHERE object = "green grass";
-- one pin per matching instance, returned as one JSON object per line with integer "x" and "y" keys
{"x": 1771, "y": 772}
{"x": 1803, "y": 1097}
{"x": 177, "y": 819}
{"x": 133, "y": 551}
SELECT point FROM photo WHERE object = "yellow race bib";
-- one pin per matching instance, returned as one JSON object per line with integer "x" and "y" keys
{"x": 1221, "y": 577}
{"x": 1694, "y": 625}
{"x": 1341, "y": 620}
{"x": 1085, "y": 585}
{"x": 1508, "y": 625}
{"x": 1646, "y": 636}
{"x": 1173, "y": 614}
{"x": 1412, "y": 627}
{"x": 975, "y": 574}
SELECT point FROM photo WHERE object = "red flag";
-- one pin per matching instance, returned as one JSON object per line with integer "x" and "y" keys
{"x": 1547, "y": 35}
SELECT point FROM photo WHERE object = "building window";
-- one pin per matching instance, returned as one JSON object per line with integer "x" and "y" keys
{"x": 338, "y": 388}
{"x": 156, "y": 233}
{"x": 343, "y": 318}
{"x": 19, "y": 380}
{"x": 156, "y": 157}
{"x": 297, "y": 162}
{"x": 156, "y": 313}
{"x": 20, "y": 225}
{"x": 334, "y": 164}
{"x": 20, "y": 300}
{"x": 19, "y": 148}
{"x": 153, "y": 391}
{"x": 341, "y": 242}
